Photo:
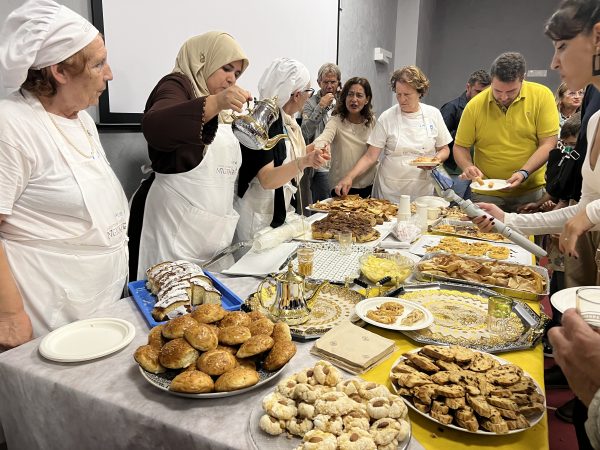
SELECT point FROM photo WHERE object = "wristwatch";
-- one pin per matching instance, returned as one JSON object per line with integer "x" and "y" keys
{"x": 523, "y": 172}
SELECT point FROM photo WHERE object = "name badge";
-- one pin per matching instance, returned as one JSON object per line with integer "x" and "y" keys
{"x": 430, "y": 128}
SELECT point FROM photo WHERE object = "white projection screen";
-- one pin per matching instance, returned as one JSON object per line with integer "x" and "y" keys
{"x": 144, "y": 36}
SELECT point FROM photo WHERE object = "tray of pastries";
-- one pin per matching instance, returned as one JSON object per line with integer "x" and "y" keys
{"x": 316, "y": 409}
{"x": 464, "y": 228}
{"x": 214, "y": 353}
{"x": 383, "y": 210}
{"x": 514, "y": 280}
{"x": 361, "y": 225}
{"x": 468, "y": 390}
{"x": 460, "y": 318}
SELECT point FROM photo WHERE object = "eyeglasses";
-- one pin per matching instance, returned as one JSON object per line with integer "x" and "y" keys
{"x": 575, "y": 93}
{"x": 329, "y": 82}
{"x": 310, "y": 91}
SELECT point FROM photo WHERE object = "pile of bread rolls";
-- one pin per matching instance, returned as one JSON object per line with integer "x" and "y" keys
{"x": 216, "y": 350}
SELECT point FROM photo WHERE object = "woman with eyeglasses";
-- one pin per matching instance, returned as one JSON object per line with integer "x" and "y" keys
{"x": 403, "y": 133}
{"x": 346, "y": 134}
{"x": 568, "y": 101}
{"x": 269, "y": 179}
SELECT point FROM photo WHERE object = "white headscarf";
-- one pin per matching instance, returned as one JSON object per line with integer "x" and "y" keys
{"x": 282, "y": 78}
{"x": 38, "y": 34}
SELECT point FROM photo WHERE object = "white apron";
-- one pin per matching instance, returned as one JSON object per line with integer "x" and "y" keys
{"x": 190, "y": 215}
{"x": 66, "y": 281}
{"x": 395, "y": 177}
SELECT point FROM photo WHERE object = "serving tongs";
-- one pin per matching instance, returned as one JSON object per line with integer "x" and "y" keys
{"x": 227, "y": 251}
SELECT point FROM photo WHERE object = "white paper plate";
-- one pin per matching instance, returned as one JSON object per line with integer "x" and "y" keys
{"x": 498, "y": 184}
{"x": 87, "y": 339}
{"x": 163, "y": 380}
{"x": 432, "y": 201}
{"x": 565, "y": 299}
{"x": 532, "y": 420}
{"x": 363, "y": 307}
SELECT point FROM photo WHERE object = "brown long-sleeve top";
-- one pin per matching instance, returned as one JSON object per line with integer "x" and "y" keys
{"x": 173, "y": 124}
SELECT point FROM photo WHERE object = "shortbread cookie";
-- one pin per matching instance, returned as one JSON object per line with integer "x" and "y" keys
{"x": 356, "y": 439}
{"x": 271, "y": 425}
{"x": 329, "y": 423}
{"x": 372, "y": 390}
{"x": 284, "y": 409}
{"x": 299, "y": 426}
{"x": 306, "y": 410}
{"x": 287, "y": 386}
{"x": 334, "y": 403}
{"x": 319, "y": 440}
{"x": 356, "y": 419}
{"x": 378, "y": 407}
{"x": 326, "y": 374}
{"x": 306, "y": 393}
{"x": 385, "y": 431}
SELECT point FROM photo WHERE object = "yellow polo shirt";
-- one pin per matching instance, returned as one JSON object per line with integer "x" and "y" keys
{"x": 504, "y": 142}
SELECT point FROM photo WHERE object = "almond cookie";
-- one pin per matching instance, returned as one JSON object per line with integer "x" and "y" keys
{"x": 482, "y": 363}
{"x": 269, "y": 400}
{"x": 384, "y": 431}
{"x": 334, "y": 404}
{"x": 450, "y": 390}
{"x": 306, "y": 410}
{"x": 299, "y": 426}
{"x": 255, "y": 345}
{"x": 235, "y": 318}
{"x": 329, "y": 424}
{"x": 305, "y": 393}
{"x": 283, "y": 408}
{"x": 319, "y": 440}
{"x": 261, "y": 326}
{"x": 326, "y": 374}
{"x": 287, "y": 386}
{"x": 271, "y": 425}
{"x": 372, "y": 390}
{"x": 216, "y": 362}
{"x": 398, "y": 409}
{"x": 192, "y": 382}
{"x": 208, "y": 313}
{"x": 439, "y": 352}
{"x": 350, "y": 386}
{"x": 234, "y": 335}
{"x": 306, "y": 376}
{"x": 378, "y": 407}
{"x": 356, "y": 419}
{"x": 404, "y": 430}
{"x": 356, "y": 439}
{"x": 422, "y": 362}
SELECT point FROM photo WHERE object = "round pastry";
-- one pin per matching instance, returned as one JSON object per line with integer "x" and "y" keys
{"x": 378, "y": 407}
{"x": 279, "y": 355}
{"x": 398, "y": 409}
{"x": 256, "y": 344}
{"x": 305, "y": 393}
{"x": 227, "y": 348}
{"x": 215, "y": 328}
{"x": 234, "y": 335}
{"x": 271, "y": 425}
{"x": 372, "y": 390}
{"x": 306, "y": 376}
{"x": 177, "y": 354}
{"x": 192, "y": 382}
{"x": 385, "y": 430}
{"x": 256, "y": 315}
{"x": 246, "y": 363}
{"x": 201, "y": 337}
{"x": 235, "y": 318}
{"x": 261, "y": 326}
{"x": 329, "y": 424}
{"x": 319, "y": 440}
{"x": 281, "y": 332}
{"x": 147, "y": 357}
{"x": 208, "y": 313}
{"x": 287, "y": 386}
{"x": 238, "y": 378}
{"x": 356, "y": 439}
{"x": 283, "y": 408}
{"x": 306, "y": 410}
{"x": 356, "y": 419}
{"x": 326, "y": 374}
{"x": 334, "y": 404}
{"x": 349, "y": 387}
{"x": 175, "y": 328}
{"x": 298, "y": 426}
{"x": 155, "y": 337}
{"x": 269, "y": 400}
{"x": 216, "y": 362}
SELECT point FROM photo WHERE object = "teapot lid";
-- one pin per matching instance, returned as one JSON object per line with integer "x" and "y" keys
{"x": 290, "y": 277}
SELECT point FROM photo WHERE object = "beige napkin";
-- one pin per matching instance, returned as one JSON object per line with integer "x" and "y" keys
{"x": 352, "y": 348}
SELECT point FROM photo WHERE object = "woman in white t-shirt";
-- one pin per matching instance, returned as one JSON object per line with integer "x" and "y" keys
{"x": 404, "y": 132}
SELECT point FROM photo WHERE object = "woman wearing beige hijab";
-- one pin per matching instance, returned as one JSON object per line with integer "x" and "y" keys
{"x": 185, "y": 209}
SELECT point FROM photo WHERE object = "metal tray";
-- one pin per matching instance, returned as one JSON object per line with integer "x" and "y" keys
{"x": 511, "y": 292}
{"x": 462, "y": 223}
{"x": 531, "y": 322}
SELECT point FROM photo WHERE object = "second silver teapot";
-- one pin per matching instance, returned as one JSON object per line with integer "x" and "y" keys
{"x": 252, "y": 129}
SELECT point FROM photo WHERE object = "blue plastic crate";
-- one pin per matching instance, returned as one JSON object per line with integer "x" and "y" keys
{"x": 145, "y": 300}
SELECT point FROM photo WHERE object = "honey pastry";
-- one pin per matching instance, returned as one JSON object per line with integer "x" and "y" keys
{"x": 319, "y": 440}
{"x": 271, "y": 425}
{"x": 234, "y": 335}
{"x": 306, "y": 410}
{"x": 177, "y": 354}
{"x": 385, "y": 431}
{"x": 329, "y": 424}
{"x": 201, "y": 337}
{"x": 237, "y": 378}
{"x": 378, "y": 407}
{"x": 216, "y": 362}
{"x": 356, "y": 419}
{"x": 281, "y": 332}
{"x": 155, "y": 337}
{"x": 356, "y": 439}
{"x": 175, "y": 328}
{"x": 208, "y": 313}
{"x": 299, "y": 426}
{"x": 280, "y": 354}
{"x": 192, "y": 382}
{"x": 261, "y": 326}
{"x": 255, "y": 345}
{"x": 235, "y": 318}
{"x": 283, "y": 408}
{"x": 147, "y": 357}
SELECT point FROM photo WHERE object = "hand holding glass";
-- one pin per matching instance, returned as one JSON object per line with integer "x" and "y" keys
{"x": 588, "y": 305}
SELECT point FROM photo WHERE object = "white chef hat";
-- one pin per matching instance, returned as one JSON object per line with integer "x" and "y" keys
{"x": 38, "y": 34}
{"x": 282, "y": 78}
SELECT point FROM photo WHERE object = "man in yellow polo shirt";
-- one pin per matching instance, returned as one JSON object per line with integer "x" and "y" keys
{"x": 512, "y": 126}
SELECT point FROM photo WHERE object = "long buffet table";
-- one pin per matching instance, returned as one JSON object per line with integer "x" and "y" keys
{"x": 106, "y": 403}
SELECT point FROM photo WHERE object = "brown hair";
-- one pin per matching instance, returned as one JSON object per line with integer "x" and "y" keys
{"x": 572, "y": 18}
{"x": 367, "y": 111}
{"x": 413, "y": 76}
{"x": 41, "y": 83}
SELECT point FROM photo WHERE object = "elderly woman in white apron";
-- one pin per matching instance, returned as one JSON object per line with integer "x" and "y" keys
{"x": 63, "y": 213}
{"x": 269, "y": 178}
{"x": 185, "y": 209}
{"x": 404, "y": 132}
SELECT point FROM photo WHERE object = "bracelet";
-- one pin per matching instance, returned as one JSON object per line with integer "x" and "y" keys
{"x": 523, "y": 172}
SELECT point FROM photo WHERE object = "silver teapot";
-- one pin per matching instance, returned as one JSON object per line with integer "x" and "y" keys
{"x": 252, "y": 129}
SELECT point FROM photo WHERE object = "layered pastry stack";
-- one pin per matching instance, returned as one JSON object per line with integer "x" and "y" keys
{"x": 359, "y": 224}
{"x": 179, "y": 283}
{"x": 216, "y": 350}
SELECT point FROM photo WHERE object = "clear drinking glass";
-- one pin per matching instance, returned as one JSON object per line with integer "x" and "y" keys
{"x": 499, "y": 311}
{"x": 345, "y": 241}
{"x": 305, "y": 261}
{"x": 588, "y": 305}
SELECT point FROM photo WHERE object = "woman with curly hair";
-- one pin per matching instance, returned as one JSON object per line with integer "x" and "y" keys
{"x": 404, "y": 132}
{"x": 345, "y": 135}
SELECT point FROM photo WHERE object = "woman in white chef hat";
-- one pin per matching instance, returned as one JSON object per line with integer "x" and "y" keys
{"x": 63, "y": 213}
{"x": 269, "y": 178}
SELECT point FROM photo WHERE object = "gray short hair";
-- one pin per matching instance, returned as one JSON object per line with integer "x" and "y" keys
{"x": 329, "y": 68}
{"x": 509, "y": 66}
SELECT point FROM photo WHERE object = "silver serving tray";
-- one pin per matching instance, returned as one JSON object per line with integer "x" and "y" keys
{"x": 461, "y": 223}
{"x": 511, "y": 292}
{"x": 533, "y": 322}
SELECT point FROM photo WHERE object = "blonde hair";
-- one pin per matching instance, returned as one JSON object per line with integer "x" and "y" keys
{"x": 413, "y": 76}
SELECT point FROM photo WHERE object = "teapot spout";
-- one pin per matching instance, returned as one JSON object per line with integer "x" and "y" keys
{"x": 273, "y": 141}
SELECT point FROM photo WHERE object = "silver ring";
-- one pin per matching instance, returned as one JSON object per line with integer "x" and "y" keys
{"x": 566, "y": 239}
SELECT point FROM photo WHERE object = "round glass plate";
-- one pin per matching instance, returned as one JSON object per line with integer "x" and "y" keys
{"x": 566, "y": 298}
{"x": 87, "y": 339}
{"x": 264, "y": 441}
{"x": 365, "y": 306}
{"x": 163, "y": 381}
{"x": 491, "y": 184}
{"x": 532, "y": 420}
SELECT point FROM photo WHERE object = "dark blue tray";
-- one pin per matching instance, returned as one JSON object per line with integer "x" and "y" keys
{"x": 145, "y": 300}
